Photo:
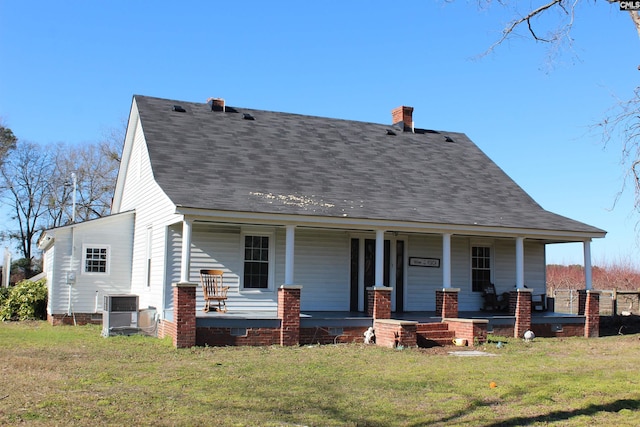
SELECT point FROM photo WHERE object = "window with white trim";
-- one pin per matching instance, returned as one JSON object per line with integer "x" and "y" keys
{"x": 258, "y": 261}
{"x": 480, "y": 267}
{"x": 95, "y": 259}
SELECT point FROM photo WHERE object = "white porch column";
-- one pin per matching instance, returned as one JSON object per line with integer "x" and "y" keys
{"x": 289, "y": 252}
{"x": 587, "y": 264}
{"x": 446, "y": 260}
{"x": 520, "y": 262}
{"x": 379, "y": 257}
{"x": 185, "y": 263}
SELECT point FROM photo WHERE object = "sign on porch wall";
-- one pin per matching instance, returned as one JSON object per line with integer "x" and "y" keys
{"x": 424, "y": 262}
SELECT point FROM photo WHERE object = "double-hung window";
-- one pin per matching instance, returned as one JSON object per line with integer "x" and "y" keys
{"x": 480, "y": 267}
{"x": 95, "y": 259}
{"x": 258, "y": 262}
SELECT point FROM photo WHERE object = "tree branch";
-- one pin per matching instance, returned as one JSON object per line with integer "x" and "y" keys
{"x": 508, "y": 31}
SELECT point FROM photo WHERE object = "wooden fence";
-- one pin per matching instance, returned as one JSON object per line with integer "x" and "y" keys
{"x": 618, "y": 302}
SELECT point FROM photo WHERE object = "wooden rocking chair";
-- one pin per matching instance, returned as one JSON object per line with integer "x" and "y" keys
{"x": 491, "y": 300}
{"x": 213, "y": 289}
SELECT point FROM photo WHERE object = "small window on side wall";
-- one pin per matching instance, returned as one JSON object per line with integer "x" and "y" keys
{"x": 95, "y": 259}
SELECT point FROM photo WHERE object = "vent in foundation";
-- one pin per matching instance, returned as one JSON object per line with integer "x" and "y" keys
{"x": 238, "y": 332}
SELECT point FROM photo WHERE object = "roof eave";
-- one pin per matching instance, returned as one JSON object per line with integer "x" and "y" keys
{"x": 351, "y": 223}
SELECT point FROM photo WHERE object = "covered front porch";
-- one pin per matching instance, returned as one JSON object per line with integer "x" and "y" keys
{"x": 336, "y": 265}
{"x": 375, "y": 274}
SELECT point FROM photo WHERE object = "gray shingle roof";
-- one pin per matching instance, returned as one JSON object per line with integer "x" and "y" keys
{"x": 295, "y": 164}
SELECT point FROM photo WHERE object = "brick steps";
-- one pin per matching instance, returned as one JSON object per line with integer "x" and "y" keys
{"x": 433, "y": 335}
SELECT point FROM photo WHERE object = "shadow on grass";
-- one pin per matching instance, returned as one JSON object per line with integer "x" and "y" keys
{"x": 619, "y": 325}
{"x": 615, "y": 406}
{"x": 473, "y": 405}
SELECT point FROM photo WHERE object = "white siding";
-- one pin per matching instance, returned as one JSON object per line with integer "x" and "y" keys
{"x": 535, "y": 269}
{"x": 215, "y": 247}
{"x": 172, "y": 273}
{"x": 321, "y": 266}
{"x": 505, "y": 266}
{"x": 60, "y": 286}
{"x": 153, "y": 209}
{"x": 423, "y": 281}
{"x": 322, "y": 263}
{"x": 461, "y": 274}
{"x": 48, "y": 262}
{"x": 504, "y": 263}
{"x": 116, "y": 233}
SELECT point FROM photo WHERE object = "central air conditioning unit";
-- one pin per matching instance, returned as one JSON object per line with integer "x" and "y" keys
{"x": 120, "y": 315}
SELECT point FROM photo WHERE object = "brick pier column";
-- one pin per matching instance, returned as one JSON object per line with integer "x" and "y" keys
{"x": 522, "y": 311}
{"x": 184, "y": 314}
{"x": 289, "y": 314}
{"x": 592, "y": 314}
{"x": 379, "y": 306}
{"x": 447, "y": 302}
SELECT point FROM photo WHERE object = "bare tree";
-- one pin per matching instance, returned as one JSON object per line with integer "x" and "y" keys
{"x": 112, "y": 143}
{"x": 60, "y": 204}
{"x": 95, "y": 168}
{"x": 25, "y": 184}
{"x": 96, "y": 177}
{"x": 624, "y": 119}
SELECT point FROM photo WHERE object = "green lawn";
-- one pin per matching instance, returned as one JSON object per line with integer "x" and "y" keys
{"x": 73, "y": 376}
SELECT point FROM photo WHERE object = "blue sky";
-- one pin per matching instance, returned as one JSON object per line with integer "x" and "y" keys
{"x": 70, "y": 68}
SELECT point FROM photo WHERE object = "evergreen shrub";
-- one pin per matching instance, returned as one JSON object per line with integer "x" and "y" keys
{"x": 26, "y": 300}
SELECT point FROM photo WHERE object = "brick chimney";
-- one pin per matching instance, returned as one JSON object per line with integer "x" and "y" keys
{"x": 217, "y": 104}
{"x": 403, "y": 115}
